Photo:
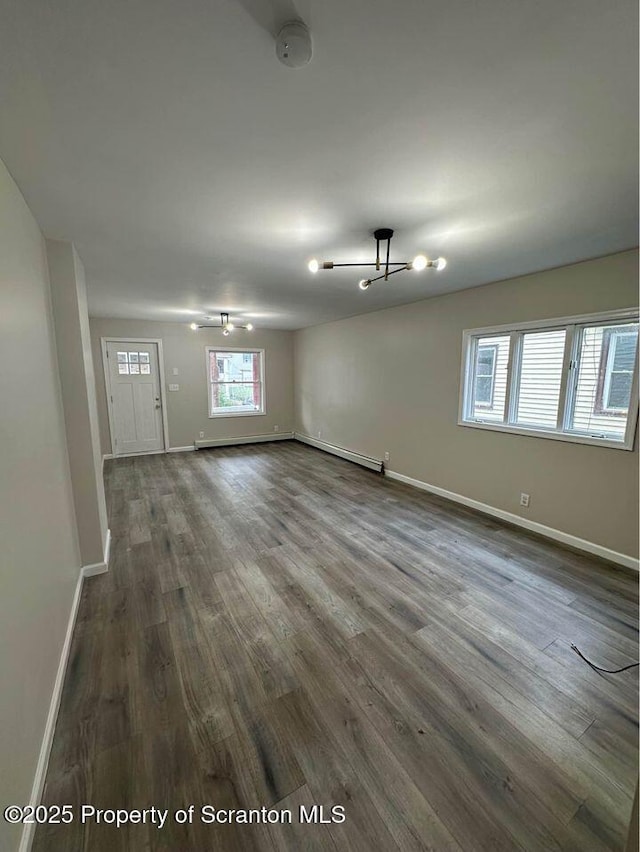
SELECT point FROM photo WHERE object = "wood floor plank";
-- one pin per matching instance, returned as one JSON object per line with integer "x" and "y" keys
{"x": 604, "y": 697}
{"x": 312, "y": 837}
{"x": 454, "y": 720}
{"x": 280, "y": 628}
{"x": 204, "y": 706}
{"x": 332, "y": 779}
{"x": 412, "y": 822}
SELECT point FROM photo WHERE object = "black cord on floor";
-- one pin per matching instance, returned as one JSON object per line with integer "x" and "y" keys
{"x": 597, "y": 668}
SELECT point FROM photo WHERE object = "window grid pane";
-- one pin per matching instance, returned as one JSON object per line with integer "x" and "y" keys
{"x": 235, "y": 396}
{"x": 602, "y": 393}
{"x": 485, "y": 374}
{"x": 490, "y": 378}
{"x": 540, "y": 378}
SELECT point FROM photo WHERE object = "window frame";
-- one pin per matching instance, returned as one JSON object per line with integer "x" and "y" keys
{"x": 574, "y": 326}
{"x": 241, "y": 349}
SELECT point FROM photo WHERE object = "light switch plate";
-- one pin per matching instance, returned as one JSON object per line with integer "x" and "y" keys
{"x": 174, "y": 387}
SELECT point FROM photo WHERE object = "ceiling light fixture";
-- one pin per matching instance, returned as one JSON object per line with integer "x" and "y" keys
{"x": 225, "y": 325}
{"x": 418, "y": 263}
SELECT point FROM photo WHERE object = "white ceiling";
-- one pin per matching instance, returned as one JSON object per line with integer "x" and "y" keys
{"x": 197, "y": 174}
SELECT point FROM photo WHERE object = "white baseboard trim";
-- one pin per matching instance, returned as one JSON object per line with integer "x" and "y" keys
{"x": 99, "y": 567}
{"x": 28, "y": 830}
{"x": 188, "y": 449}
{"x": 139, "y": 455}
{"x": 358, "y": 458}
{"x": 532, "y": 526}
{"x": 45, "y": 749}
{"x": 249, "y": 439}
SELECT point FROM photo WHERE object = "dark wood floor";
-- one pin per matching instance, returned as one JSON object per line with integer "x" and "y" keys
{"x": 280, "y": 627}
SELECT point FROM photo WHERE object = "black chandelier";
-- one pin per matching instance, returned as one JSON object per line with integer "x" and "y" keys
{"x": 418, "y": 263}
{"x": 226, "y": 326}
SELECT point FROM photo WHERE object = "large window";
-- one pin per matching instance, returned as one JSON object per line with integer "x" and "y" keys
{"x": 573, "y": 379}
{"x": 236, "y": 382}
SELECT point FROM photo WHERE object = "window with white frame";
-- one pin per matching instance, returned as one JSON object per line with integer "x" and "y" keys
{"x": 574, "y": 379}
{"x": 236, "y": 381}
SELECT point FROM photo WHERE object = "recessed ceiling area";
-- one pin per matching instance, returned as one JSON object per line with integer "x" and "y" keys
{"x": 196, "y": 174}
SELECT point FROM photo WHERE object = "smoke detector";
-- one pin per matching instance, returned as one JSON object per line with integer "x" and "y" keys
{"x": 293, "y": 44}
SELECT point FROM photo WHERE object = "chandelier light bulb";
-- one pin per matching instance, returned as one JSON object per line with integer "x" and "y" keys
{"x": 419, "y": 262}
{"x": 440, "y": 264}
{"x": 194, "y": 326}
{"x": 249, "y": 326}
{"x": 225, "y": 331}
{"x": 314, "y": 266}
{"x": 364, "y": 284}
{"x": 230, "y": 326}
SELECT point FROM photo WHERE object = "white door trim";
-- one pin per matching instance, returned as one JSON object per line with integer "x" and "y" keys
{"x": 107, "y": 383}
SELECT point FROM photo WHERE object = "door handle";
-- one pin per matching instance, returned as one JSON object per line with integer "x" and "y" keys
{"x": 158, "y": 405}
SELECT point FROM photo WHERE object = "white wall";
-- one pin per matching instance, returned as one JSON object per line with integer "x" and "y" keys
{"x": 389, "y": 381}
{"x": 185, "y": 350}
{"x": 38, "y": 543}
{"x": 75, "y": 363}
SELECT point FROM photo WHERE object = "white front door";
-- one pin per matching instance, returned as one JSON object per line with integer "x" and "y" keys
{"x": 134, "y": 397}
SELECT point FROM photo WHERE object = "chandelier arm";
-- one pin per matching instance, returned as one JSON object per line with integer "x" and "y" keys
{"x": 222, "y": 326}
{"x": 386, "y": 275}
{"x": 386, "y": 269}
{"x": 391, "y": 263}
{"x": 377, "y": 254}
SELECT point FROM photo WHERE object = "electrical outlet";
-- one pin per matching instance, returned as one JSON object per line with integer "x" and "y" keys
{"x": 202, "y": 434}
{"x": 175, "y": 371}
{"x": 276, "y": 428}
{"x": 524, "y": 500}
{"x": 386, "y": 456}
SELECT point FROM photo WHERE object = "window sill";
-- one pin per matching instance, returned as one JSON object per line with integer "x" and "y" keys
{"x": 238, "y": 414}
{"x": 568, "y": 437}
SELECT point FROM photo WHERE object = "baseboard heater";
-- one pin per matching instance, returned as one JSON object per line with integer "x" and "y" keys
{"x": 349, "y": 455}
{"x": 249, "y": 439}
